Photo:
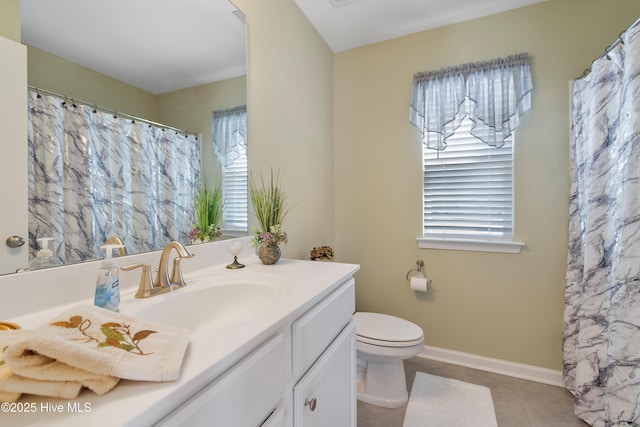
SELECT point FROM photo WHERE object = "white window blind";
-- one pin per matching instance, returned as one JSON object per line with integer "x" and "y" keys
{"x": 234, "y": 193}
{"x": 468, "y": 188}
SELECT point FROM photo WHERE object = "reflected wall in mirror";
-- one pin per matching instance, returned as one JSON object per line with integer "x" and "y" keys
{"x": 175, "y": 69}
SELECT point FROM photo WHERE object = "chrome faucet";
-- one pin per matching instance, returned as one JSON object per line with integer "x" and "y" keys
{"x": 163, "y": 282}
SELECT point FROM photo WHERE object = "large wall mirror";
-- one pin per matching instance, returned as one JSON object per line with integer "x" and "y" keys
{"x": 172, "y": 63}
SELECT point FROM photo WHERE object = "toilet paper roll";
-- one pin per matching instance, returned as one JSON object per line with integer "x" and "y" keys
{"x": 419, "y": 283}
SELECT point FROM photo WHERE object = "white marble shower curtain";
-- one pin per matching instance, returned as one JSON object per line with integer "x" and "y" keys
{"x": 601, "y": 342}
{"x": 93, "y": 176}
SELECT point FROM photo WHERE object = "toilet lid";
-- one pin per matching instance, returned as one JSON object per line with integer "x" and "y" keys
{"x": 382, "y": 327}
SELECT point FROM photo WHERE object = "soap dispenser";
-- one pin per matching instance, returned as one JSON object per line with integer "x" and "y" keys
{"x": 44, "y": 258}
{"x": 108, "y": 283}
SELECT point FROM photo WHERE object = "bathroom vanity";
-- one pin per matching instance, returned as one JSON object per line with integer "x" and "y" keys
{"x": 270, "y": 346}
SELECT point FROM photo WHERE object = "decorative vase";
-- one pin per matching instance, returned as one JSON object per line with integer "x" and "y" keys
{"x": 269, "y": 254}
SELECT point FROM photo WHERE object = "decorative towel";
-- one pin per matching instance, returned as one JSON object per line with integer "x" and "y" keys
{"x": 6, "y": 338}
{"x": 12, "y": 386}
{"x": 97, "y": 347}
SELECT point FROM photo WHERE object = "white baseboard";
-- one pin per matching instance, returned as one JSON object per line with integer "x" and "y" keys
{"x": 497, "y": 366}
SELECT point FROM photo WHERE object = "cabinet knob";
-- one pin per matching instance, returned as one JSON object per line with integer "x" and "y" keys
{"x": 14, "y": 241}
{"x": 311, "y": 403}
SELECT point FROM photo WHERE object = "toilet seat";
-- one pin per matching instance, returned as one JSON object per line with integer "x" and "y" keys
{"x": 386, "y": 331}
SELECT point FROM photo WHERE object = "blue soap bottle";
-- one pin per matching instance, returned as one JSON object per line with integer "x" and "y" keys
{"x": 108, "y": 283}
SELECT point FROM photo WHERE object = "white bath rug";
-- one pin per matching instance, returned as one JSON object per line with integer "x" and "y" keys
{"x": 443, "y": 402}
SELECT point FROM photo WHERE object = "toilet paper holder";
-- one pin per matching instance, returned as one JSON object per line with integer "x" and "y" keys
{"x": 418, "y": 270}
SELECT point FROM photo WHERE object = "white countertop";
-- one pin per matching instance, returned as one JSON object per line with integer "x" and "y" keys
{"x": 210, "y": 352}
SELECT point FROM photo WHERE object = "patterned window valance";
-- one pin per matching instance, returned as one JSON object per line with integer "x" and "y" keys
{"x": 494, "y": 94}
{"x": 229, "y": 133}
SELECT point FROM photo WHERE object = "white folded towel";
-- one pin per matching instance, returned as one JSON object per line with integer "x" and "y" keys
{"x": 13, "y": 386}
{"x": 97, "y": 347}
{"x": 6, "y": 338}
{"x": 18, "y": 385}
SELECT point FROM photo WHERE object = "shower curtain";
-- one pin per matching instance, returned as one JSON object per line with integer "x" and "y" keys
{"x": 601, "y": 343}
{"x": 93, "y": 176}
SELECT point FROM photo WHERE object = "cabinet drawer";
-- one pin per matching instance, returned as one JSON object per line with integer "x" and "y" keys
{"x": 243, "y": 396}
{"x": 313, "y": 332}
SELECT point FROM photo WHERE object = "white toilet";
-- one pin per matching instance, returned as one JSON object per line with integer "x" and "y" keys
{"x": 382, "y": 343}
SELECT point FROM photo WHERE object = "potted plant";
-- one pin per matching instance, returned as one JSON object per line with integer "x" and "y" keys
{"x": 208, "y": 207}
{"x": 270, "y": 208}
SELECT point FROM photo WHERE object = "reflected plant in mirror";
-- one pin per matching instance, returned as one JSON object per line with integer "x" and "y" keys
{"x": 208, "y": 208}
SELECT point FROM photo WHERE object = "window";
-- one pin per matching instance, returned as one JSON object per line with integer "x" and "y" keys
{"x": 234, "y": 193}
{"x": 468, "y": 188}
{"x": 228, "y": 131}
{"x": 467, "y": 115}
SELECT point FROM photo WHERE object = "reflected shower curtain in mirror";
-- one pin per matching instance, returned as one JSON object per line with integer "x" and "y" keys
{"x": 93, "y": 176}
{"x": 601, "y": 342}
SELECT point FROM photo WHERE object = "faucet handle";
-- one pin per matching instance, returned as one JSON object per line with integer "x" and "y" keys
{"x": 176, "y": 278}
{"x": 145, "y": 288}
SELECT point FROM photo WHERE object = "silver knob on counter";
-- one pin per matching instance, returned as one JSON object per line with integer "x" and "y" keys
{"x": 14, "y": 241}
{"x": 311, "y": 403}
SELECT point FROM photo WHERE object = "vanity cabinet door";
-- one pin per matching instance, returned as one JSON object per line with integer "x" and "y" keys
{"x": 326, "y": 395}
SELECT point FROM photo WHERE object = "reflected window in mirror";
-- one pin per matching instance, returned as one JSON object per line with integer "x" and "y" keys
{"x": 229, "y": 130}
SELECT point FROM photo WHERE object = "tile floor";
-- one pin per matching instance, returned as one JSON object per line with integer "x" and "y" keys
{"x": 518, "y": 403}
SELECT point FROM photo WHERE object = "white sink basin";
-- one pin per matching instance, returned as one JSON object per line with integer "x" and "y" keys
{"x": 205, "y": 305}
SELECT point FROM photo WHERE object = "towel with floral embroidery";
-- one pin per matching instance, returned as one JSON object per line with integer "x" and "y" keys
{"x": 97, "y": 348}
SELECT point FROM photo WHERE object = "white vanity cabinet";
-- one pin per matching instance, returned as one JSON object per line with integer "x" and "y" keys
{"x": 324, "y": 362}
{"x": 289, "y": 363}
{"x": 302, "y": 376}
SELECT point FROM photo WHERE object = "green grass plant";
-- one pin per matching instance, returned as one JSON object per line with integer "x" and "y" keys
{"x": 269, "y": 201}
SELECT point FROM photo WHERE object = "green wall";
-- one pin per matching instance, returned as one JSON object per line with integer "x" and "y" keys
{"x": 10, "y": 19}
{"x": 502, "y": 306}
{"x": 64, "y": 77}
{"x": 290, "y": 116}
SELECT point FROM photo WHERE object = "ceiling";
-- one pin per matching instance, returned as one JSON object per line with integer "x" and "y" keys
{"x": 156, "y": 45}
{"x": 346, "y": 24}
{"x": 165, "y": 45}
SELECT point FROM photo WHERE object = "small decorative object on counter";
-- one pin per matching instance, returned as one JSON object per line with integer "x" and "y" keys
{"x": 235, "y": 250}
{"x": 208, "y": 206}
{"x": 270, "y": 209}
{"x": 321, "y": 253}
